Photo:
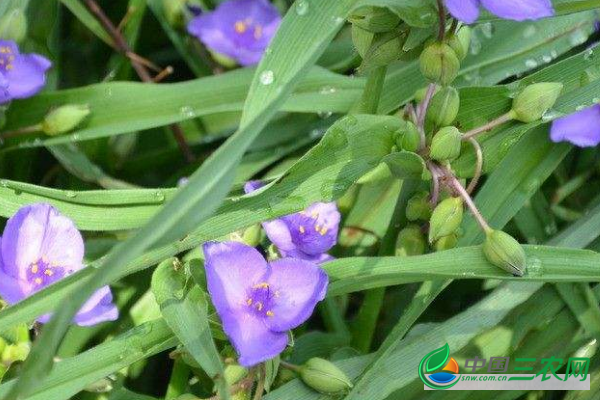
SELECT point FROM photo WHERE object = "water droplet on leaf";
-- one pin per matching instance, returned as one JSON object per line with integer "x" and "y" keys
{"x": 267, "y": 77}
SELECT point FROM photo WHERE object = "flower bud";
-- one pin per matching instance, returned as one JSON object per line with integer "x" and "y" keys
{"x": 446, "y": 218}
{"x": 445, "y": 145}
{"x": 324, "y": 377}
{"x": 443, "y": 107}
{"x": 252, "y": 235}
{"x": 418, "y": 207}
{"x": 347, "y": 201}
{"x": 460, "y": 42}
{"x": 505, "y": 252}
{"x": 15, "y": 352}
{"x": 535, "y": 100}
{"x": 374, "y": 19}
{"x": 409, "y": 138}
{"x": 439, "y": 63}
{"x": 385, "y": 48}
{"x": 446, "y": 242}
{"x": 362, "y": 40}
{"x": 411, "y": 241}
{"x": 13, "y": 26}
{"x": 234, "y": 373}
{"x": 64, "y": 118}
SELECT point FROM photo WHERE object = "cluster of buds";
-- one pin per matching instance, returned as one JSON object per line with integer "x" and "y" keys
{"x": 430, "y": 134}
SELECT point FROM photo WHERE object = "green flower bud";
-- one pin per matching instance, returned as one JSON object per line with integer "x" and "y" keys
{"x": 535, "y": 100}
{"x": 460, "y": 42}
{"x": 385, "y": 48}
{"x": 409, "y": 138}
{"x": 324, "y": 377}
{"x": 234, "y": 373}
{"x": 446, "y": 242}
{"x": 418, "y": 207}
{"x": 13, "y": 26}
{"x": 505, "y": 252}
{"x": 446, "y": 218}
{"x": 64, "y": 118}
{"x": 443, "y": 107}
{"x": 361, "y": 39}
{"x": 411, "y": 241}
{"x": 347, "y": 201}
{"x": 439, "y": 63}
{"x": 374, "y": 19}
{"x": 252, "y": 235}
{"x": 445, "y": 145}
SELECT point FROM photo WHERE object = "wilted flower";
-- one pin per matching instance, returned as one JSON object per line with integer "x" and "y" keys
{"x": 239, "y": 29}
{"x": 308, "y": 234}
{"x": 581, "y": 128}
{"x": 21, "y": 75}
{"x": 39, "y": 247}
{"x": 258, "y": 302}
{"x": 518, "y": 10}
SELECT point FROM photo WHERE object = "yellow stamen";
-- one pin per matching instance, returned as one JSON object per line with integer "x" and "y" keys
{"x": 38, "y": 281}
{"x": 262, "y": 285}
{"x": 315, "y": 214}
{"x": 9, "y": 67}
{"x": 301, "y": 229}
{"x": 249, "y": 302}
{"x": 323, "y": 231}
{"x": 270, "y": 313}
{"x": 48, "y": 272}
{"x": 35, "y": 268}
{"x": 240, "y": 27}
{"x": 317, "y": 228}
{"x": 257, "y": 32}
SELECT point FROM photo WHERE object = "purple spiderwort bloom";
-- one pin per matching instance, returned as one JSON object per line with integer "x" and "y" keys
{"x": 258, "y": 302}
{"x": 239, "y": 29}
{"x": 21, "y": 75}
{"x": 581, "y": 128}
{"x": 39, "y": 247}
{"x": 308, "y": 235}
{"x": 517, "y": 10}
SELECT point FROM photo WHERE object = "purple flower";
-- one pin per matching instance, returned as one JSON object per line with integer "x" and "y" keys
{"x": 581, "y": 128}
{"x": 258, "y": 302}
{"x": 518, "y": 10}
{"x": 39, "y": 247}
{"x": 308, "y": 235}
{"x": 239, "y": 29}
{"x": 21, "y": 75}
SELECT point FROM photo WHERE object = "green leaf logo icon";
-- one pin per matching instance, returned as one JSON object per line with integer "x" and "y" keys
{"x": 437, "y": 358}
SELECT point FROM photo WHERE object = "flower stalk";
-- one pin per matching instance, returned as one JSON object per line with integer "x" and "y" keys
{"x": 509, "y": 116}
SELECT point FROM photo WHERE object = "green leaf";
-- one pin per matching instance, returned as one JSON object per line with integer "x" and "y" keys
{"x": 406, "y": 165}
{"x": 185, "y": 310}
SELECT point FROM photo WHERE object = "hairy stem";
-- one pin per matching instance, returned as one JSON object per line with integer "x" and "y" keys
{"x": 422, "y": 112}
{"x": 478, "y": 165}
{"x": 442, "y": 19}
{"x": 509, "y": 116}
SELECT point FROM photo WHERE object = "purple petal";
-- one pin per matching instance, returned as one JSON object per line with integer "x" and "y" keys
{"x": 4, "y": 93}
{"x": 581, "y": 128}
{"x": 251, "y": 186}
{"x": 279, "y": 234}
{"x": 28, "y": 75}
{"x": 240, "y": 29}
{"x": 231, "y": 270}
{"x": 251, "y": 338}
{"x": 317, "y": 259}
{"x": 99, "y": 308}
{"x": 39, "y": 231}
{"x": 300, "y": 285}
{"x": 465, "y": 10}
{"x": 11, "y": 289}
{"x": 519, "y": 10}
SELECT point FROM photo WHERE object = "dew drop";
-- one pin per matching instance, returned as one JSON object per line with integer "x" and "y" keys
{"x": 551, "y": 115}
{"x": 267, "y": 77}
{"x": 553, "y": 54}
{"x": 475, "y": 47}
{"x": 578, "y": 37}
{"x": 531, "y": 63}
{"x": 75, "y": 138}
{"x": 71, "y": 194}
{"x": 159, "y": 196}
{"x": 529, "y": 31}
{"x": 302, "y": 7}
{"x": 187, "y": 112}
{"x": 325, "y": 90}
{"x": 324, "y": 114}
{"x": 534, "y": 267}
{"x": 588, "y": 54}
{"x": 487, "y": 29}
{"x": 547, "y": 58}
{"x": 3, "y": 183}
{"x": 316, "y": 133}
